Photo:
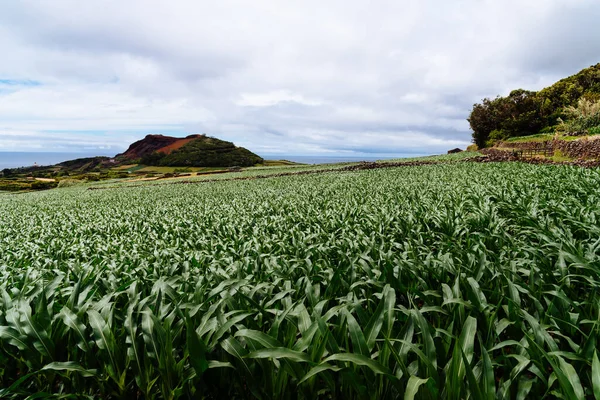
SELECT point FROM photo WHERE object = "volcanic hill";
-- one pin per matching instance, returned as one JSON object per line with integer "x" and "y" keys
{"x": 191, "y": 151}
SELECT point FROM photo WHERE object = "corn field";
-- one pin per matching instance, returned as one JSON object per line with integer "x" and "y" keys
{"x": 457, "y": 281}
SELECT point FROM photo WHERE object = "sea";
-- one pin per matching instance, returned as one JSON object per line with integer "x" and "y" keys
{"x": 27, "y": 159}
{"x": 335, "y": 159}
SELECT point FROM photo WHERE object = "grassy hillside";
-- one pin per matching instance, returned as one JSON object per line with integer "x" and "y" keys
{"x": 525, "y": 112}
{"x": 462, "y": 280}
{"x": 203, "y": 151}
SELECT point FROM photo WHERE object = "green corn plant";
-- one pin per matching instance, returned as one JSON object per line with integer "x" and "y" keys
{"x": 461, "y": 280}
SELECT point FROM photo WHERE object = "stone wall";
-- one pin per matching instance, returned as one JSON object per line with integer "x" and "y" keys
{"x": 584, "y": 148}
{"x": 496, "y": 155}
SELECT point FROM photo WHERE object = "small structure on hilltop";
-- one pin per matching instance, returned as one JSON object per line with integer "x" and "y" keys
{"x": 456, "y": 150}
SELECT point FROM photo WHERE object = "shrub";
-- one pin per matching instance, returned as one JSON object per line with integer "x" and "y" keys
{"x": 92, "y": 177}
{"x": 498, "y": 135}
{"x": 13, "y": 186}
{"x": 580, "y": 119}
{"x": 490, "y": 143}
{"x": 595, "y": 130}
{"x": 473, "y": 147}
{"x": 41, "y": 185}
{"x": 549, "y": 129}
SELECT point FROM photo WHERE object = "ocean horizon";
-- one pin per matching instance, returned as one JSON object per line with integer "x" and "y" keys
{"x": 17, "y": 159}
{"x": 334, "y": 159}
{"x": 27, "y": 159}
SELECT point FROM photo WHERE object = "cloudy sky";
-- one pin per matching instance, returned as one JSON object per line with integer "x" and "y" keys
{"x": 346, "y": 77}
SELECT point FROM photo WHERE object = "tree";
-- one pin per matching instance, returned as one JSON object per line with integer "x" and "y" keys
{"x": 486, "y": 118}
{"x": 523, "y": 109}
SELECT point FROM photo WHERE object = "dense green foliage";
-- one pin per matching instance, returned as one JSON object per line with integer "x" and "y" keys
{"x": 79, "y": 165}
{"x": 88, "y": 169}
{"x": 85, "y": 164}
{"x": 204, "y": 152}
{"x": 449, "y": 281}
{"x": 581, "y": 120}
{"x": 16, "y": 185}
{"x": 523, "y": 112}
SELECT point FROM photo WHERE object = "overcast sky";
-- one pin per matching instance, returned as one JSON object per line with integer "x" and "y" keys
{"x": 305, "y": 77}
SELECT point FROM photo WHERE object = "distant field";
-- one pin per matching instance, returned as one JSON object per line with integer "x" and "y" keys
{"x": 271, "y": 163}
{"x": 443, "y": 157}
{"x": 165, "y": 170}
{"x": 459, "y": 280}
{"x": 125, "y": 167}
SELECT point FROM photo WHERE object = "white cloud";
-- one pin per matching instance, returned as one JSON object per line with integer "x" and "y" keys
{"x": 274, "y": 97}
{"x": 300, "y": 77}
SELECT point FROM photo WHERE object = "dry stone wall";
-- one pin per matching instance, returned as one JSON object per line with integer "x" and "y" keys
{"x": 584, "y": 148}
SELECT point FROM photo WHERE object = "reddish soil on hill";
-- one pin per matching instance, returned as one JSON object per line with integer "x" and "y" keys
{"x": 174, "y": 146}
{"x": 152, "y": 143}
